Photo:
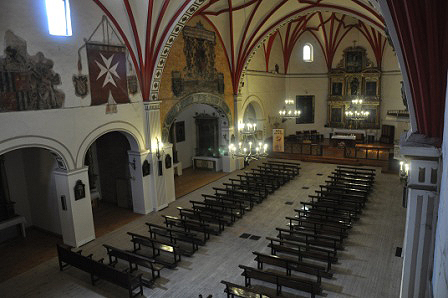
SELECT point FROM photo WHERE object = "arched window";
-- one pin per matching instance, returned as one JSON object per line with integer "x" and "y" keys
{"x": 308, "y": 53}
{"x": 58, "y": 13}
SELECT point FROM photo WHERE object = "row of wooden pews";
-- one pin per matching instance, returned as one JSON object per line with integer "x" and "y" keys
{"x": 309, "y": 245}
{"x": 182, "y": 235}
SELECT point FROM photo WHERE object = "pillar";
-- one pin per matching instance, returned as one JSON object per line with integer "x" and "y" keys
{"x": 421, "y": 218}
{"x": 159, "y": 179}
{"x": 141, "y": 192}
{"x": 75, "y": 213}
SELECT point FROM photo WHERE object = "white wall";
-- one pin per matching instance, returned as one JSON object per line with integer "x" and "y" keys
{"x": 186, "y": 149}
{"x": 440, "y": 273}
{"x": 18, "y": 190}
{"x": 32, "y": 187}
{"x": 296, "y": 63}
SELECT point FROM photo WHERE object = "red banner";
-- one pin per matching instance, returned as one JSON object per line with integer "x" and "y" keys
{"x": 107, "y": 72}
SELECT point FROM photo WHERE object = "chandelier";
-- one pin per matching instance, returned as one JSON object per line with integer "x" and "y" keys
{"x": 289, "y": 112}
{"x": 355, "y": 112}
{"x": 249, "y": 147}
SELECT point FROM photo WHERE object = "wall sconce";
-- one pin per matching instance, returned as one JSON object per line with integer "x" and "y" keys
{"x": 159, "y": 155}
{"x": 404, "y": 171}
{"x": 133, "y": 164}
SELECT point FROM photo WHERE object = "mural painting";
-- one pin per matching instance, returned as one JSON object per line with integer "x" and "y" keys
{"x": 27, "y": 82}
{"x": 199, "y": 74}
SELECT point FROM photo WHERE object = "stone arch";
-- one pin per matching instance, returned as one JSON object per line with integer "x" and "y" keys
{"x": 62, "y": 153}
{"x": 257, "y": 105}
{"x": 196, "y": 98}
{"x": 131, "y": 133}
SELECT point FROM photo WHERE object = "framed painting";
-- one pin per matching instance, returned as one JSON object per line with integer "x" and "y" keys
{"x": 305, "y": 103}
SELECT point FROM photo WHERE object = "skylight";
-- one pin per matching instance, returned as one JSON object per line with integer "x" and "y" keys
{"x": 59, "y": 21}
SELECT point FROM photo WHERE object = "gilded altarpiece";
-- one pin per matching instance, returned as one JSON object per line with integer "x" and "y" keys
{"x": 355, "y": 77}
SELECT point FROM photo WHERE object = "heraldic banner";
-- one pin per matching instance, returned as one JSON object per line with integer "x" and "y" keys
{"x": 107, "y": 72}
{"x": 278, "y": 140}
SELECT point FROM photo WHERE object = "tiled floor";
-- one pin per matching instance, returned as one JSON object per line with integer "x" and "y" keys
{"x": 367, "y": 267}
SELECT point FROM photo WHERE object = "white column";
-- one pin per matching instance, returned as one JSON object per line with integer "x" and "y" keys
{"x": 157, "y": 180}
{"x": 421, "y": 219}
{"x": 141, "y": 193}
{"x": 75, "y": 215}
{"x": 169, "y": 176}
{"x": 237, "y": 105}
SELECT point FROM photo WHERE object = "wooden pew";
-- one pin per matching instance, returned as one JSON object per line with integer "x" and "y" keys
{"x": 365, "y": 178}
{"x": 344, "y": 190}
{"x": 98, "y": 270}
{"x": 259, "y": 188}
{"x": 230, "y": 197}
{"x": 302, "y": 251}
{"x": 333, "y": 209}
{"x": 258, "y": 193}
{"x": 342, "y": 183}
{"x": 234, "y": 194}
{"x": 355, "y": 205}
{"x": 364, "y": 182}
{"x": 354, "y": 198}
{"x": 275, "y": 183}
{"x": 280, "y": 280}
{"x": 294, "y": 168}
{"x": 234, "y": 290}
{"x": 319, "y": 227}
{"x": 281, "y": 179}
{"x": 286, "y": 175}
{"x": 289, "y": 265}
{"x": 310, "y": 238}
{"x": 323, "y": 217}
{"x": 360, "y": 170}
{"x": 157, "y": 246}
{"x": 202, "y": 217}
{"x": 228, "y": 214}
{"x": 134, "y": 260}
{"x": 231, "y": 210}
{"x": 243, "y": 179}
{"x": 188, "y": 225}
{"x": 329, "y": 215}
{"x": 174, "y": 235}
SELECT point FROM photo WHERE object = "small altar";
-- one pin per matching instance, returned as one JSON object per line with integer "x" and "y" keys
{"x": 207, "y": 163}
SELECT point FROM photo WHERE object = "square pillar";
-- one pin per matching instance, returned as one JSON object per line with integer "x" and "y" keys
{"x": 75, "y": 214}
{"x": 141, "y": 193}
{"x": 423, "y": 186}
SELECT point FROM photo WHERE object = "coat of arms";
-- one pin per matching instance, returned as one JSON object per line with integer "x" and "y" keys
{"x": 81, "y": 86}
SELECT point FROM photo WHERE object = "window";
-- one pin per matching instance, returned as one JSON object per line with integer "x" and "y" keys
{"x": 58, "y": 13}
{"x": 308, "y": 53}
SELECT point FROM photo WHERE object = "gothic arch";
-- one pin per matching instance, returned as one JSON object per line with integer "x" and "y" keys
{"x": 256, "y": 103}
{"x": 196, "y": 98}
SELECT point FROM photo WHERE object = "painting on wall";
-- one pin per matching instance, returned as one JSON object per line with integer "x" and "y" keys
{"x": 107, "y": 73}
{"x": 180, "y": 131}
{"x": 199, "y": 73}
{"x": 27, "y": 82}
{"x": 305, "y": 104}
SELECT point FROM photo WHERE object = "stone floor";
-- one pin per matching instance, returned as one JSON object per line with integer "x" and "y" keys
{"x": 366, "y": 268}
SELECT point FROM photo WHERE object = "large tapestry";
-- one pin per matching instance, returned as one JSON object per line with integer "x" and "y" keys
{"x": 199, "y": 74}
{"x": 107, "y": 73}
{"x": 27, "y": 82}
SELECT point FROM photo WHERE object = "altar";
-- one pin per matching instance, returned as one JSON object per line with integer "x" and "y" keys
{"x": 207, "y": 163}
{"x": 343, "y": 140}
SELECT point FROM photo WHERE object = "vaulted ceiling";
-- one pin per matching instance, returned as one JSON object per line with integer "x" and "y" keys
{"x": 149, "y": 28}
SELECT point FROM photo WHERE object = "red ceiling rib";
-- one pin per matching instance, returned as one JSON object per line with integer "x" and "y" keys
{"x": 267, "y": 51}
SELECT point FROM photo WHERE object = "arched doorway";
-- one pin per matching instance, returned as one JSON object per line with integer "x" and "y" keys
{"x": 109, "y": 181}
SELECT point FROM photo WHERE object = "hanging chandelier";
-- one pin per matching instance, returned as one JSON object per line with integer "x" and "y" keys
{"x": 355, "y": 111}
{"x": 249, "y": 147}
{"x": 288, "y": 112}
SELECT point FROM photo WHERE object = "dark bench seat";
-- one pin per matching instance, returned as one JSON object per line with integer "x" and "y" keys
{"x": 98, "y": 270}
{"x": 280, "y": 280}
{"x": 157, "y": 246}
{"x": 234, "y": 290}
{"x": 134, "y": 260}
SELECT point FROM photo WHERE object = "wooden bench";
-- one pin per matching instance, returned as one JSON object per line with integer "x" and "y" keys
{"x": 99, "y": 270}
{"x": 234, "y": 290}
{"x": 289, "y": 265}
{"x": 258, "y": 193}
{"x": 302, "y": 251}
{"x": 367, "y": 183}
{"x": 188, "y": 225}
{"x": 318, "y": 226}
{"x": 333, "y": 209}
{"x": 224, "y": 198}
{"x": 134, "y": 260}
{"x": 328, "y": 215}
{"x": 157, "y": 246}
{"x": 370, "y": 171}
{"x": 203, "y": 217}
{"x": 353, "y": 204}
{"x": 310, "y": 238}
{"x": 232, "y": 211}
{"x": 280, "y": 280}
{"x": 174, "y": 235}
{"x": 323, "y": 217}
